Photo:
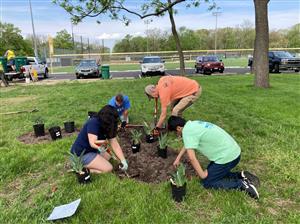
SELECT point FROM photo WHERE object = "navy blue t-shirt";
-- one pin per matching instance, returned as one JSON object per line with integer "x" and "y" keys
{"x": 92, "y": 126}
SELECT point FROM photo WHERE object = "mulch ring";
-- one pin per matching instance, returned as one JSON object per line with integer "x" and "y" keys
{"x": 29, "y": 138}
{"x": 146, "y": 165}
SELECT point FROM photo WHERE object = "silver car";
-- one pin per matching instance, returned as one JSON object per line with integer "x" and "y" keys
{"x": 87, "y": 68}
{"x": 152, "y": 65}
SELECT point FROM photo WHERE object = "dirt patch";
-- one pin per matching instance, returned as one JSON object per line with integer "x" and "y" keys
{"x": 146, "y": 165}
{"x": 29, "y": 138}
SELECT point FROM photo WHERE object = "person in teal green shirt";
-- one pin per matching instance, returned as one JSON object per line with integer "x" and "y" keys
{"x": 221, "y": 150}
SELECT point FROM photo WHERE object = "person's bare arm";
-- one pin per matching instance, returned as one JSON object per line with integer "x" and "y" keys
{"x": 117, "y": 148}
{"x": 125, "y": 115}
{"x": 195, "y": 163}
{"x": 177, "y": 160}
{"x": 162, "y": 117}
{"x": 92, "y": 140}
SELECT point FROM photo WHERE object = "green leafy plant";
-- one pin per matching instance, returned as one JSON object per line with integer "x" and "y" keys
{"x": 163, "y": 141}
{"x": 39, "y": 120}
{"x": 136, "y": 136}
{"x": 148, "y": 128}
{"x": 179, "y": 178}
{"x": 76, "y": 162}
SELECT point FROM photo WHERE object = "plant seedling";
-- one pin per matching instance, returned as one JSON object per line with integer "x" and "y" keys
{"x": 76, "y": 162}
{"x": 179, "y": 177}
{"x": 136, "y": 136}
{"x": 148, "y": 128}
{"x": 39, "y": 120}
{"x": 163, "y": 141}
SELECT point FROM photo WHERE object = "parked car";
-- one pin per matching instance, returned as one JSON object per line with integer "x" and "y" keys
{"x": 151, "y": 65}
{"x": 280, "y": 60}
{"x": 208, "y": 65}
{"x": 87, "y": 68}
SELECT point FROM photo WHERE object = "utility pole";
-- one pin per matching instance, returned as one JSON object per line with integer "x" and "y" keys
{"x": 216, "y": 14}
{"x": 34, "y": 37}
{"x": 72, "y": 36}
{"x": 81, "y": 44}
{"x": 147, "y": 22}
{"x": 89, "y": 47}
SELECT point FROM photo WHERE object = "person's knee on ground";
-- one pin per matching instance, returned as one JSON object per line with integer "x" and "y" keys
{"x": 100, "y": 165}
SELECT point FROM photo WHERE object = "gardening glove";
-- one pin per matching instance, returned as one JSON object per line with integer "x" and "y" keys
{"x": 102, "y": 149}
{"x": 124, "y": 165}
{"x": 155, "y": 131}
{"x": 123, "y": 124}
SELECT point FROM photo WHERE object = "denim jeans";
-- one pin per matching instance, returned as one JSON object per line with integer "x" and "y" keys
{"x": 220, "y": 177}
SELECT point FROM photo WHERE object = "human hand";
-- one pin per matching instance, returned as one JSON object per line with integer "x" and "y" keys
{"x": 124, "y": 165}
{"x": 155, "y": 131}
{"x": 205, "y": 174}
{"x": 102, "y": 149}
{"x": 123, "y": 124}
{"x": 176, "y": 162}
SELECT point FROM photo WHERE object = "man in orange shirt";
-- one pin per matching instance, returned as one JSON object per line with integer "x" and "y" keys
{"x": 178, "y": 92}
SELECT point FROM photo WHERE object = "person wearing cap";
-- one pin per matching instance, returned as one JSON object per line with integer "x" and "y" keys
{"x": 178, "y": 92}
{"x": 220, "y": 149}
{"x": 101, "y": 127}
{"x": 122, "y": 104}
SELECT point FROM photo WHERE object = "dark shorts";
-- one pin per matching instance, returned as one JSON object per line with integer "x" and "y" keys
{"x": 11, "y": 62}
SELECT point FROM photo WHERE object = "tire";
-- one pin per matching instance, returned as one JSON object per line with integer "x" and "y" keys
{"x": 296, "y": 70}
{"x": 162, "y": 73}
{"x": 196, "y": 70}
{"x": 77, "y": 76}
{"x": 276, "y": 68}
{"x": 46, "y": 74}
{"x": 221, "y": 71}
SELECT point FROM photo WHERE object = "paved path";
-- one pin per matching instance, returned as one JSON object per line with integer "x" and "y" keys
{"x": 135, "y": 74}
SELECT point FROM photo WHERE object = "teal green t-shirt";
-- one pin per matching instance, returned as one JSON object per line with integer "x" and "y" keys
{"x": 210, "y": 140}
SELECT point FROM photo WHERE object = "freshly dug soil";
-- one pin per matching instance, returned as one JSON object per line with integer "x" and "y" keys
{"x": 29, "y": 138}
{"x": 146, "y": 165}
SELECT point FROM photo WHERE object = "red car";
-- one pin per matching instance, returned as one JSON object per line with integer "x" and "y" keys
{"x": 208, "y": 65}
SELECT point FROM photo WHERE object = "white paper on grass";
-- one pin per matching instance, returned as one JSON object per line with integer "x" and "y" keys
{"x": 64, "y": 211}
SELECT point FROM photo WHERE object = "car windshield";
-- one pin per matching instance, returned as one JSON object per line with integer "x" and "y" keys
{"x": 205, "y": 59}
{"x": 151, "y": 60}
{"x": 283, "y": 54}
{"x": 87, "y": 63}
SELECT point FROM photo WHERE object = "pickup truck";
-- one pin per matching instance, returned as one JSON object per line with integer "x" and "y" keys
{"x": 26, "y": 67}
{"x": 280, "y": 60}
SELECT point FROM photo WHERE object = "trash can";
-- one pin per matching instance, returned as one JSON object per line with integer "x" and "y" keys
{"x": 3, "y": 62}
{"x": 19, "y": 62}
{"x": 105, "y": 71}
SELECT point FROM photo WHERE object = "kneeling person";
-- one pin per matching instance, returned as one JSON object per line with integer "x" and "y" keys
{"x": 101, "y": 127}
{"x": 222, "y": 151}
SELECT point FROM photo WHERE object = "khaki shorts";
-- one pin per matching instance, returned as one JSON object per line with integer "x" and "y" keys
{"x": 179, "y": 105}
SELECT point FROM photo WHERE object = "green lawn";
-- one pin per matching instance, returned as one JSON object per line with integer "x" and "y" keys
{"x": 264, "y": 122}
{"x": 242, "y": 62}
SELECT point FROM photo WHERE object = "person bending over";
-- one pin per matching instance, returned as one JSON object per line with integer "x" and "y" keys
{"x": 122, "y": 104}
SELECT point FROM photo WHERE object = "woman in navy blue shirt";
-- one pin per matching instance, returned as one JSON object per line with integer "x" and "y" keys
{"x": 101, "y": 127}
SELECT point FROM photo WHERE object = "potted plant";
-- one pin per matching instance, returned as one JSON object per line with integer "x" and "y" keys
{"x": 39, "y": 127}
{"x": 83, "y": 174}
{"x": 91, "y": 114}
{"x": 178, "y": 183}
{"x": 149, "y": 137}
{"x": 69, "y": 126}
{"x": 162, "y": 146}
{"x": 55, "y": 132}
{"x": 136, "y": 140}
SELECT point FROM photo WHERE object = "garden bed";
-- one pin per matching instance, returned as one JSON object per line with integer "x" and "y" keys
{"x": 146, "y": 165}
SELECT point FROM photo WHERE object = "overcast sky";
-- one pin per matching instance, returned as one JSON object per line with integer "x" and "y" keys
{"x": 50, "y": 18}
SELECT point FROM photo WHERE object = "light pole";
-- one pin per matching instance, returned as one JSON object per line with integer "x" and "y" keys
{"x": 34, "y": 37}
{"x": 147, "y": 22}
{"x": 216, "y": 14}
{"x": 72, "y": 36}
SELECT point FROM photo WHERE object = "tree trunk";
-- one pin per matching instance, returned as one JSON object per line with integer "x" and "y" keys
{"x": 177, "y": 41}
{"x": 261, "y": 45}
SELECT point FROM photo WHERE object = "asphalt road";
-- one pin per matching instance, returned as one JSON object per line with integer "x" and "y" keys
{"x": 135, "y": 74}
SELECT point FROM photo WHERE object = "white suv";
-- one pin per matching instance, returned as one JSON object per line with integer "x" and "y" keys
{"x": 152, "y": 65}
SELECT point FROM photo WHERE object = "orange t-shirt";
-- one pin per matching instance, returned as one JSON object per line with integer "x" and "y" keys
{"x": 170, "y": 88}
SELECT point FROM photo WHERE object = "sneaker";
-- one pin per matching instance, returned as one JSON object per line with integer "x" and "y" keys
{"x": 250, "y": 189}
{"x": 246, "y": 175}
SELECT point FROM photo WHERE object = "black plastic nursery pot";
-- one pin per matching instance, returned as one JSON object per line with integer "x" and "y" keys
{"x": 85, "y": 177}
{"x": 55, "y": 132}
{"x": 178, "y": 193}
{"x": 163, "y": 153}
{"x": 69, "y": 126}
{"x": 39, "y": 130}
{"x": 151, "y": 139}
{"x": 92, "y": 114}
{"x": 135, "y": 147}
